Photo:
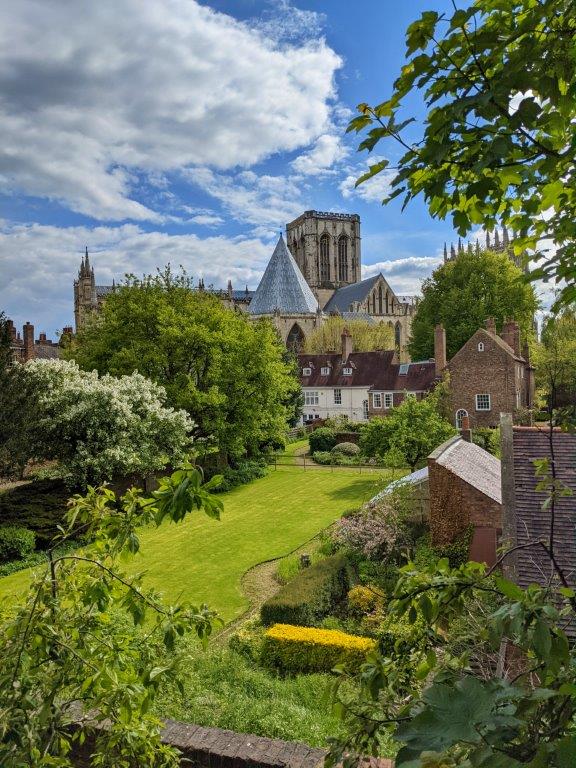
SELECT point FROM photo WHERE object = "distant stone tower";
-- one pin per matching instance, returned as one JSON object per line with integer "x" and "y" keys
{"x": 85, "y": 298}
{"x": 326, "y": 247}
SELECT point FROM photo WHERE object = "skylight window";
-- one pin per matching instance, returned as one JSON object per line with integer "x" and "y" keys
{"x": 404, "y": 369}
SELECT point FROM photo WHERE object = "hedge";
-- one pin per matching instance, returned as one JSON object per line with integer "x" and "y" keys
{"x": 16, "y": 542}
{"x": 307, "y": 649}
{"x": 322, "y": 439}
{"x": 311, "y": 595}
{"x": 40, "y": 506}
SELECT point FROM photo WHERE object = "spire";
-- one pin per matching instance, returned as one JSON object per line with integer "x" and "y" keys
{"x": 477, "y": 247}
{"x": 496, "y": 239}
{"x": 452, "y": 252}
{"x": 505, "y": 238}
{"x": 460, "y": 248}
{"x": 487, "y": 241}
{"x": 445, "y": 253}
{"x": 283, "y": 287}
{"x": 469, "y": 248}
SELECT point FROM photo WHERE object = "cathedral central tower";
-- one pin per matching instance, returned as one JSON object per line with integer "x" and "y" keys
{"x": 326, "y": 247}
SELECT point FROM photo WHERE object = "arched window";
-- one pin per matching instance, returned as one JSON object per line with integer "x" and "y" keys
{"x": 387, "y": 312}
{"x": 325, "y": 258}
{"x": 397, "y": 334}
{"x": 295, "y": 339}
{"x": 343, "y": 259}
{"x": 460, "y": 415}
{"x": 379, "y": 299}
{"x": 480, "y": 346}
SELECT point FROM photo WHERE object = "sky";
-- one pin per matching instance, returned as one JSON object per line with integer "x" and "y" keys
{"x": 190, "y": 133}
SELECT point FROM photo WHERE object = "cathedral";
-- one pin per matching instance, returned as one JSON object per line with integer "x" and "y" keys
{"x": 314, "y": 273}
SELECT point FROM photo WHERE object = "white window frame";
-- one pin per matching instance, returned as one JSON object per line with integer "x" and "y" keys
{"x": 464, "y": 414}
{"x": 310, "y": 397}
{"x": 325, "y": 370}
{"x": 388, "y": 400}
{"x": 337, "y": 397}
{"x": 377, "y": 399}
{"x": 306, "y": 371}
{"x": 483, "y": 395}
{"x": 365, "y": 408}
{"x": 347, "y": 371}
{"x": 480, "y": 346}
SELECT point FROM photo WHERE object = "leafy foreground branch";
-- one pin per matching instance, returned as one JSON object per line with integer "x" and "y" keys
{"x": 69, "y": 656}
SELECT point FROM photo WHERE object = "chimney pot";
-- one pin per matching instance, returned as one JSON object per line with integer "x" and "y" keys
{"x": 347, "y": 345}
{"x": 439, "y": 348}
{"x": 490, "y": 325}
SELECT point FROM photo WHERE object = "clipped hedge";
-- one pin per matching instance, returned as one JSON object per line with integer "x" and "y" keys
{"x": 312, "y": 594}
{"x": 307, "y": 649}
{"x": 16, "y": 542}
{"x": 322, "y": 439}
{"x": 347, "y": 449}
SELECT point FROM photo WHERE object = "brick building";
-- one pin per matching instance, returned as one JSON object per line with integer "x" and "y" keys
{"x": 25, "y": 347}
{"x": 464, "y": 485}
{"x": 360, "y": 385}
{"x": 489, "y": 375}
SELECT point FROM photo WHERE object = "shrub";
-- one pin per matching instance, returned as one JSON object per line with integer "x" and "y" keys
{"x": 289, "y": 567}
{"x": 397, "y": 636}
{"x": 347, "y": 449}
{"x": 16, "y": 542}
{"x": 310, "y": 595}
{"x": 322, "y": 457}
{"x": 247, "y": 640}
{"x": 307, "y": 649}
{"x": 322, "y": 439}
{"x": 365, "y": 599}
{"x": 240, "y": 474}
{"x": 40, "y": 506}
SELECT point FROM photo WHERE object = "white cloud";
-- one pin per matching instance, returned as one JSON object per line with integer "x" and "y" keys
{"x": 283, "y": 22}
{"x": 327, "y": 151}
{"x": 94, "y": 91}
{"x": 405, "y": 275}
{"x": 39, "y": 264}
{"x": 372, "y": 191}
{"x": 207, "y": 220}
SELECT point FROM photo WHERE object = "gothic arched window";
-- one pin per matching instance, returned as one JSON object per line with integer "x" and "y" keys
{"x": 460, "y": 415}
{"x": 387, "y": 310}
{"x": 343, "y": 259}
{"x": 379, "y": 299}
{"x": 295, "y": 339}
{"x": 397, "y": 334}
{"x": 325, "y": 259}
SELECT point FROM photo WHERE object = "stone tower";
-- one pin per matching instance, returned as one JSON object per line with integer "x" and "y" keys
{"x": 326, "y": 247}
{"x": 85, "y": 298}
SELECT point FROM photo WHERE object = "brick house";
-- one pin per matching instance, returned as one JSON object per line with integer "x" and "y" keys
{"x": 26, "y": 347}
{"x": 489, "y": 375}
{"x": 359, "y": 385}
{"x": 464, "y": 483}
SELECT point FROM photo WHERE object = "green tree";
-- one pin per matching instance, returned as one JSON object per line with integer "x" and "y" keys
{"x": 462, "y": 293}
{"x": 408, "y": 434}
{"x": 366, "y": 337}
{"x": 498, "y": 141}
{"x": 228, "y": 372}
{"x": 98, "y": 427}
{"x": 73, "y": 665}
{"x": 555, "y": 360}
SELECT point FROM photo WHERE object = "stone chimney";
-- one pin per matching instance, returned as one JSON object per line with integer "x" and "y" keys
{"x": 491, "y": 325}
{"x": 465, "y": 431}
{"x": 511, "y": 335}
{"x": 347, "y": 346}
{"x": 28, "y": 342}
{"x": 439, "y": 348}
{"x": 11, "y": 330}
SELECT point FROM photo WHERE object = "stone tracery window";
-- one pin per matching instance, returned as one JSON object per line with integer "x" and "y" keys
{"x": 397, "y": 334}
{"x": 325, "y": 258}
{"x": 379, "y": 299}
{"x": 343, "y": 259}
{"x": 295, "y": 339}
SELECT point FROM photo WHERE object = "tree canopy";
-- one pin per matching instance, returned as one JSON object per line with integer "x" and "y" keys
{"x": 555, "y": 360}
{"x": 462, "y": 293}
{"x": 498, "y": 142}
{"x": 366, "y": 337}
{"x": 228, "y": 372}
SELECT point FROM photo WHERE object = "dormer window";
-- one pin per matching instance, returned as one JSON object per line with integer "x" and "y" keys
{"x": 403, "y": 369}
{"x": 325, "y": 370}
{"x": 306, "y": 371}
{"x": 347, "y": 371}
{"x": 480, "y": 346}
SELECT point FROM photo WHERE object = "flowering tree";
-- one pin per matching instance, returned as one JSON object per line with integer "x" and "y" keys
{"x": 99, "y": 427}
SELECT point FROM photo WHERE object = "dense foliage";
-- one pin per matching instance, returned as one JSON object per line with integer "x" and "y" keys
{"x": 64, "y": 656}
{"x": 230, "y": 374}
{"x": 498, "y": 79}
{"x": 312, "y": 594}
{"x": 366, "y": 337}
{"x": 322, "y": 439}
{"x": 39, "y": 506}
{"x": 555, "y": 358}
{"x": 462, "y": 293}
{"x": 15, "y": 542}
{"x": 408, "y": 434}
{"x": 100, "y": 427}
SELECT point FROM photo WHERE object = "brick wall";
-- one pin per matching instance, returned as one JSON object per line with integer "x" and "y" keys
{"x": 454, "y": 504}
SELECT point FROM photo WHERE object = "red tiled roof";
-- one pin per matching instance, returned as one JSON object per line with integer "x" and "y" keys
{"x": 532, "y": 522}
{"x": 375, "y": 370}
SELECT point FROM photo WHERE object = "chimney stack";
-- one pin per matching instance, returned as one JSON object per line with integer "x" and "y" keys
{"x": 11, "y": 330}
{"x": 28, "y": 342}
{"x": 511, "y": 335}
{"x": 491, "y": 325}
{"x": 465, "y": 431}
{"x": 347, "y": 346}
{"x": 439, "y": 348}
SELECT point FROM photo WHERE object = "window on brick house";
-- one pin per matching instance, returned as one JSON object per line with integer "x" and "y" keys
{"x": 310, "y": 398}
{"x": 388, "y": 399}
{"x": 480, "y": 346}
{"x": 306, "y": 371}
{"x": 365, "y": 408}
{"x": 460, "y": 416}
{"x": 347, "y": 371}
{"x": 377, "y": 400}
{"x": 483, "y": 402}
{"x": 337, "y": 397}
{"x": 325, "y": 370}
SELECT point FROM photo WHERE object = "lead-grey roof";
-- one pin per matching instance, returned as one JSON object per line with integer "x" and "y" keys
{"x": 283, "y": 287}
{"x": 415, "y": 478}
{"x": 343, "y": 298}
{"x": 472, "y": 464}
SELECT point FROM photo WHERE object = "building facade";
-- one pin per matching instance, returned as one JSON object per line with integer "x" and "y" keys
{"x": 26, "y": 346}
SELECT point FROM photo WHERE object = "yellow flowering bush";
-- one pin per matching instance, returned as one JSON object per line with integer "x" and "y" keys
{"x": 363, "y": 600}
{"x": 308, "y": 649}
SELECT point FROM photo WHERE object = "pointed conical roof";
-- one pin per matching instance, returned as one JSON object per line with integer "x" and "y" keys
{"x": 283, "y": 287}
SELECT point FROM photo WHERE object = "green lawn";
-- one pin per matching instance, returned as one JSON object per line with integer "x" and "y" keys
{"x": 203, "y": 560}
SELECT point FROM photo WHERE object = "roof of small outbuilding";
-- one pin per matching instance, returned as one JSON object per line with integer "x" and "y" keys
{"x": 471, "y": 464}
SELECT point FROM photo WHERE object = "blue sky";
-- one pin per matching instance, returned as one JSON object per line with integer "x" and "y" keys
{"x": 159, "y": 131}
